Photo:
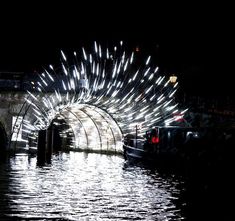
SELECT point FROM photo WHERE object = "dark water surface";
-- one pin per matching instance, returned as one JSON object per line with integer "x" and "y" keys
{"x": 79, "y": 186}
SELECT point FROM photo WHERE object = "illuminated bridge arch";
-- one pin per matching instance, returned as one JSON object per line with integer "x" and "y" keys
{"x": 103, "y": 95}
{"x": 94, "y": 128}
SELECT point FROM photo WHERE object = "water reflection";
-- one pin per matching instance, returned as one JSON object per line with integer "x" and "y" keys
{"x": 79, "y": 186}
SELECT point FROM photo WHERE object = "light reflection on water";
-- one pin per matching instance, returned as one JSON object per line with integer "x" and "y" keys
{"x": 79, "y": 186}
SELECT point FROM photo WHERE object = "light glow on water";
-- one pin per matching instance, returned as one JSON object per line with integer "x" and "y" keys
{"x": 79, "y": 186}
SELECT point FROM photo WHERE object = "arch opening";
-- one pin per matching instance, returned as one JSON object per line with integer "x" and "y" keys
{"x": 88, "y": 127}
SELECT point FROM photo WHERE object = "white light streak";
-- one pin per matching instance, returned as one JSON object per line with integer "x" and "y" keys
{"x": 63, "y": 55}
{"x": 147, "y": 62}
{"x": 84, "y": 54}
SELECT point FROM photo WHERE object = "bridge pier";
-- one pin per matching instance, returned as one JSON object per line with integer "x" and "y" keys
{"x": 45, "y": 146}
{"x": 3, "y": 137}
{"x": 49, "y": 145}
{"x": 41, "y": 153}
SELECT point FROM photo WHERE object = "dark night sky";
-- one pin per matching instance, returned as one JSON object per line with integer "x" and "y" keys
{"x": 191, "y": 43}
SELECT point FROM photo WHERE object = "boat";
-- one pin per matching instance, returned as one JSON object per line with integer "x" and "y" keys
{"x": 159, "y": 143}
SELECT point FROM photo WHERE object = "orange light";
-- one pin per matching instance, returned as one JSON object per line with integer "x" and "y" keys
{"x": 173, "y": 79}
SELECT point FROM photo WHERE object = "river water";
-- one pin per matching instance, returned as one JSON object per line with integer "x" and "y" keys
{"x": 86, "y": 186}
{"x": 91, "y": 186}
